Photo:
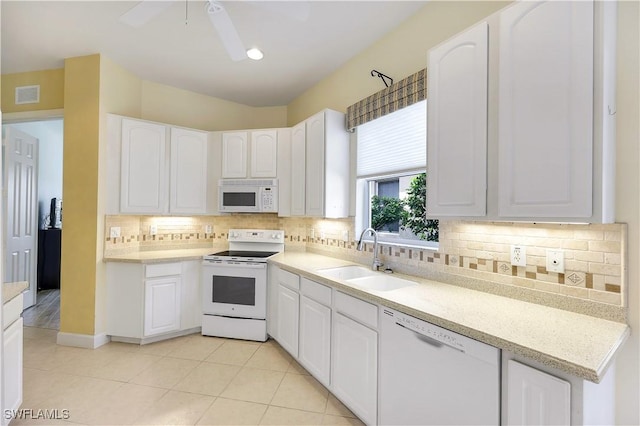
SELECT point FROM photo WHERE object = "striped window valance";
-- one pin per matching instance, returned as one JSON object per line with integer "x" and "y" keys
{"x": 406, "y": 92}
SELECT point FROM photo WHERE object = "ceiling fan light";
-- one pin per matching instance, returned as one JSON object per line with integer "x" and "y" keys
{"x": 255, "y": 54}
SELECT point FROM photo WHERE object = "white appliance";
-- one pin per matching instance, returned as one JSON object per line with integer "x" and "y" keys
{"x": 433, "y": 376}
{"x": 234, "y": 285}
{"x": 248, "y": 195}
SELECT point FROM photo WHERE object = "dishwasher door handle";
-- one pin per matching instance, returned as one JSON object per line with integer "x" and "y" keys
{"x": 430, "y": 340}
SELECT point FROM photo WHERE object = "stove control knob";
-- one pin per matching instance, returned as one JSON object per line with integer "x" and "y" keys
{"x": 275, "y": 236}
{"x": 234, "y": 235}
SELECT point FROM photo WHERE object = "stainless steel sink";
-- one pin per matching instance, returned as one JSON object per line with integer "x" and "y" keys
{"x": 365, "y": 278}
{"x": 381, "y": 282}
{"x": 347, "y": 272}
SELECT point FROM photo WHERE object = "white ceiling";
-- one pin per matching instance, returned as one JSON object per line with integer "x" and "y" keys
{"x": 38, "y": 35}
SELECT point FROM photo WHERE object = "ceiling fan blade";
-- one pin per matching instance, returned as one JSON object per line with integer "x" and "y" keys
{"x": 143, "y": 12}
{"x": 226, "y": 31}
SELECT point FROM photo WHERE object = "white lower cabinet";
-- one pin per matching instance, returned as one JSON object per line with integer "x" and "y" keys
{"x": 288, "y": 308}
{"x": 315, "y": 339}
{"x": 12, "y": 366}
{"x": 146, "y": 303}
{"x": 161, "y": 305}
{"x": 354, "y": 369}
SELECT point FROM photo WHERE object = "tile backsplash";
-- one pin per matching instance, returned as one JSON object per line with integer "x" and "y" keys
{"x": 594, "y": 254}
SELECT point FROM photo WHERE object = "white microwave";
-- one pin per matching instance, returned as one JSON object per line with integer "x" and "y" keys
{"x": 248, "y": 195}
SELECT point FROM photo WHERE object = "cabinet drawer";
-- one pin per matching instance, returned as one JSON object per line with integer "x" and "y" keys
{"x": 288, "y": 279}
{"x": 357, "y": 309}
{"x": 11, "y": 311}
{"x": 316, "y": 291}
{"x": 163, "y": 270}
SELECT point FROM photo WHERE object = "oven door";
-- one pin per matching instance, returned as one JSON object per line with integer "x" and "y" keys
{"x": 234, "y": 289}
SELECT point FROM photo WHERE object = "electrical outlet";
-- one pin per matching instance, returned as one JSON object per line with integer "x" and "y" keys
{"x": 518, "y": 255}
{"x": 312, "y": 234}
{"x": 345, "y": 236}
{"x": 114, "y": 232}
{"x": 555, "y": 261}
{"x": 208, "y": 229}
{"x": 153, "y": 229}
{"x": 322, "y": 236}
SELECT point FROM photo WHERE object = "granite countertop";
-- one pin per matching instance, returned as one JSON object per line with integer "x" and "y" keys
{"x": 11, "y": 290}
{"x": 581, "y": 345}
{"x": 160, "y": 256}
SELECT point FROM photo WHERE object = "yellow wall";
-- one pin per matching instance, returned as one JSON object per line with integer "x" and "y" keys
{"x": 51, "y": 90}
{"x": 170, "y": 105}
{"x": 80, "y": 184}
{"x": 628, "y": 201}
{"x": 400, "y": 53}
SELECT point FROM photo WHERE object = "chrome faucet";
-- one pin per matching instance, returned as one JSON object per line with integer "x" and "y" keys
{"x": 376, "y": 262}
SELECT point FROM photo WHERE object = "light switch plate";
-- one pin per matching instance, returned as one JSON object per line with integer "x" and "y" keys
{"x": 114, "y": 232}
{"x": 208, "y": 229}
{"x": 555, "y": 261}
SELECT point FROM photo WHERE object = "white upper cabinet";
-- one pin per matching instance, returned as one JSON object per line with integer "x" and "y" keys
{"x": 162, "y": 169}
{"x": 537, "y": 130}
{"x": 250, "y": 154}
{"x": 264, "y": 153}
{"x": 298, "y": 160}
{"x": 143, "y": 167}
{"x": 188, "y": 176}
{"x": 457, "y": 130}
{"x": 320, "y": 166}
{"x": 546, "y": 109}
{"x": 234, "y": 154}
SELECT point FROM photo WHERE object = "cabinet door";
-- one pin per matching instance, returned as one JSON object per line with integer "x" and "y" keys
{"x": 161, "y": 305}
{"x": 272, "y": 301}
{"x": 143, "y": 173}
{"x": 191, "y": 295}
{"x": 315, "y": 339}
{"x": 536, "y": 398}
{"x": 354, "y": 367}
{"x": 457, "y": 125}
{"x": 545, "y": 122}
{"x": 234, "y": 155}
{"x": 188, "y": 177}
{"x": 288, "y": 308}
{"x": 314, "y": 197}
{"x": 12, "y": 366}
{"x": 264, "y": 153}
{"x": 298, "y": 167}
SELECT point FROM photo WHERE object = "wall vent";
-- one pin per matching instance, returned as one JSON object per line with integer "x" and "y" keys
{"x": 27, "y": 95}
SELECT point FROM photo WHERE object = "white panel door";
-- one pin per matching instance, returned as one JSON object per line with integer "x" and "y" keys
{"x": 315, "y": 165}
{"x": 287, "y": 330}
{"x": 536, "y": 398}
{"x": 191, "y": 295}
{"x": 188, "y": 178}
{"x": 284, "y": 172}
{"x": 21, "y": 210}
{"x": 234, "y": 154}
{"x": 457, "y": 125}
{"x": 143, "y": 173}
{"x": 12, "y": 366}
{"x": 298, "y": 167}
{"x": 354, "y": 367}
{"x": 315, "y": 339}
{"x": 264, "y": 153}
{"x": 161, "y": 305}
{"x": 546, "y": 109}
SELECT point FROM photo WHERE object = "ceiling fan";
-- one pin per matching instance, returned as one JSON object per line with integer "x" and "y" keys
{"x": 146, "y": 10}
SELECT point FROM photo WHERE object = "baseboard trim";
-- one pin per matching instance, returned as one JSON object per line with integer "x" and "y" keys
{"x": 153, "y": 339}
{"x": 87, "y": 341}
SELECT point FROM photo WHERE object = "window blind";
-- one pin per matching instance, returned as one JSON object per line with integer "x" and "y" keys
{"x": 393, "y": 143}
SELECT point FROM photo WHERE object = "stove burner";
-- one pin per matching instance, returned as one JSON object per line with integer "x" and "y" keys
{"x": 244, "y": 253}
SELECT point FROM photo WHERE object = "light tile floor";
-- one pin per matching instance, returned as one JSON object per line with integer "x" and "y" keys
{"x": 183, "y": 381}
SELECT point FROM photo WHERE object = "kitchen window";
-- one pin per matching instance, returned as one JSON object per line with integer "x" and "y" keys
{"x": 391, "y": 178}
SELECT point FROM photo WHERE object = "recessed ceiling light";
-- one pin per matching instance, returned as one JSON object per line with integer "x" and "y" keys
{"x": 255, "y": 54}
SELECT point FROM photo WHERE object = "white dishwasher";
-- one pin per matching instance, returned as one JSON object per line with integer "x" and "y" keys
{"x": 433, "y": 376}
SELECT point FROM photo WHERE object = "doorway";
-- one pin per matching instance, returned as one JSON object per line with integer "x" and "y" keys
{"x": 42, "y": 301}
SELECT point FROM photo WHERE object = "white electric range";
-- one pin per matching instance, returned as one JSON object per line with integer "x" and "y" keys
{"x": 234, "y": 285}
